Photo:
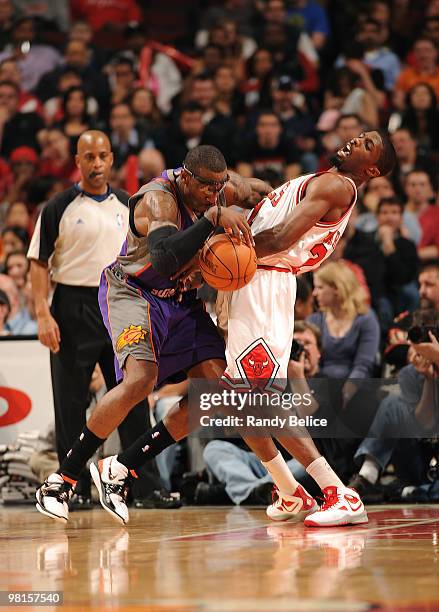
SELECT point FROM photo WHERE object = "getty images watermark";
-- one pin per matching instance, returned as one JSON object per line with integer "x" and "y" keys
{"x": 249, "y": 404}
{"x": 320, "y": 407}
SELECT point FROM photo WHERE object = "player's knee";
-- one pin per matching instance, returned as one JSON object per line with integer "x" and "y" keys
{"x": 138, "y": 382}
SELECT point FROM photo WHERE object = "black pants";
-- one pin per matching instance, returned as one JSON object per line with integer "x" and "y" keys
{"x": 84, "y": 343}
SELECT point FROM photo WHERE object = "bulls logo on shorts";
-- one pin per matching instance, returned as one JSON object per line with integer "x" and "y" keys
{"x": 257, "y": 365}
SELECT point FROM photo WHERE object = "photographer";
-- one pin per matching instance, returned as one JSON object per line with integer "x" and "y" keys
{"x": 401, "y": 421}
{"x": 396, "y": 352}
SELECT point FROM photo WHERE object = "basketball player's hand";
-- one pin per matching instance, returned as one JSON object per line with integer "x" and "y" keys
{"x": 48, "y": 332}
{"x": 232, "y": 221}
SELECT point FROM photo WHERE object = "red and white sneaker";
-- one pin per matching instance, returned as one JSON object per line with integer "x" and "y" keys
{"x": 342, "y": 506}
{"x": 291, "y": 507}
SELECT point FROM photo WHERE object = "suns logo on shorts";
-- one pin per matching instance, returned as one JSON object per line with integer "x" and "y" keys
{"x": 130, "y": 335}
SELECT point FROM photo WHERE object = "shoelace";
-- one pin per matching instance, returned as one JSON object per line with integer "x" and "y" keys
{"x": 329, "y": 501}
{"x": 117, "y": 489}
{"x": 61, "y": 491}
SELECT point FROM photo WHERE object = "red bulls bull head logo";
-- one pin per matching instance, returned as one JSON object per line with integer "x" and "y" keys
{"x": 257, "y": 363}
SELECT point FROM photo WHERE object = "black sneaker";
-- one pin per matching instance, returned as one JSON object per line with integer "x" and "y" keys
{"x": 369, "y": 493}
{"x": 189, "y": 484}
{"x": 158, "y": 500}
{"x": 211, "y": 495}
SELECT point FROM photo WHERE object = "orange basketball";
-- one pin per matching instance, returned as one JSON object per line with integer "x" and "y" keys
{"x": 226, "y": 263}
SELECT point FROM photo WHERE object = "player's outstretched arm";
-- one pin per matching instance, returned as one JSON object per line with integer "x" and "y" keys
{"x": 245, "y": 192}
{"x": 327, "y": 199}
{"x": 156, "y": 217}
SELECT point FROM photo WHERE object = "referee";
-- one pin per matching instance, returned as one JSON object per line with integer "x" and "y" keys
{"x": 79, "y": 232}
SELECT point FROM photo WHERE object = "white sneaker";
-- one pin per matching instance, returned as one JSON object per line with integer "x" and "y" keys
{"x": 110, "y": 478}
{"x": 342, "y": 506}
{"x": 53, "y": 498}
{"x": 293, "y": 507}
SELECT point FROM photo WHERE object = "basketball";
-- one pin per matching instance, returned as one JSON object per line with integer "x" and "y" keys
{"x": 227, "y": 263}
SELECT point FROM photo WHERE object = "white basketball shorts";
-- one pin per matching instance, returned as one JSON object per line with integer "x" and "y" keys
{"x": 258, "y": 325}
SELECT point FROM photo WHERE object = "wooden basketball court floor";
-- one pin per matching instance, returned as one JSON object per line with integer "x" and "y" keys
{"x": 230, "y": 559}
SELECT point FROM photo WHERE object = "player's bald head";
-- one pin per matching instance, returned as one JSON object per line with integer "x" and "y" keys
{"x": 92, "y": 138}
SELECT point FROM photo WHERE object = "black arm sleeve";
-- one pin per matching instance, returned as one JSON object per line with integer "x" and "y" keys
{"x": 171, "y": 249}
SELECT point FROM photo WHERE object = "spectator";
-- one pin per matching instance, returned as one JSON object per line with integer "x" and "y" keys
{"x": 282, "y": 40}
{"x": 75, "y": 118}
{"x": 16, "y": 129}
{"x": 347, "y": 95}
{"x": 265, "y": 149}
{"x": 5, "y": 309}
{"x": 389, "y": 261}
{"x": 219, "y": 130}
{"x": 56, "y": 159}
{"x": 229, "y": 100}
{"x": 419, "y": 195}
{"x": 297, "y": 123}
{"x": 17, "y": 267}
{"x": 34, "y": 59}
{"x": 425, "y": 70}
{"x": 127, "y": 140}
{"x": 10, "y": 71}
{"x": 177, "y": 140}
{"x": 18, "y": 216}
{"x": 373, "y": 36}
{"x": 19, "y": 322}
{"x": 242, "y": 478}
{"x": 421, "y": 116}
{"x": 211, "y": 57}
{"x": 394, "y": 434}
{"x": 76, "y": 71}
{"x": 376, "y": 189}
{"x": 145, "y": 110}
{"x": 350, "y": 331}
{"x": 24, "y": 166}
{"x": 408, "y": 158}
{"x": 14, "y": 239}
{"x": 256, "y": 88}
{"x": 313, "y": 19}
{"x": 82, "y": 31}
{"x": 396, "y": 351}
{"x": 122, "y": 78}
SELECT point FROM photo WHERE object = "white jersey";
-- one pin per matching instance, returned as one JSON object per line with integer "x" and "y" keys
{"x": 315, "y": 245}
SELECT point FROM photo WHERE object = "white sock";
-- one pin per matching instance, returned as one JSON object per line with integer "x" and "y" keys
{"x": 323, "y": 474}
{"x": 280, "y": 472}
{"x": 370, "y": 470}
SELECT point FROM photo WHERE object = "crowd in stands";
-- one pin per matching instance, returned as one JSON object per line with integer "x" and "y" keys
{"x": 278, "y": 86}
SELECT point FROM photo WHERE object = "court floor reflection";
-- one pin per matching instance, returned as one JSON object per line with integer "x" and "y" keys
{"x": 219, "y": 558}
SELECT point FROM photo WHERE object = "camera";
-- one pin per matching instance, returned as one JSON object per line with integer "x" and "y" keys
{"x": 424, "y": 321}
{"x": 296, "y": 350}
